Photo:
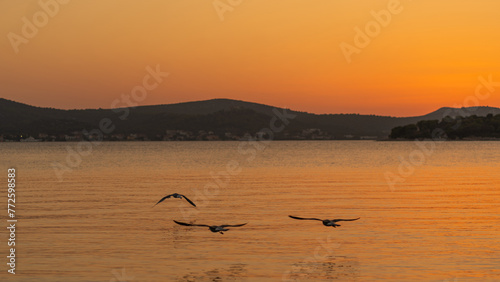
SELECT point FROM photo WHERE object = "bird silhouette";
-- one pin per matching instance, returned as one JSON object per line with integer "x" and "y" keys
{"x": 326, "y": 222}
{"x": 175, "y": 195}
{"x": 213, "y": 228}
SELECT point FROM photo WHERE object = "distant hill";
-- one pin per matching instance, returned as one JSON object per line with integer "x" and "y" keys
{"x": 464, "y": 112}
{"x": 222, "y": 117}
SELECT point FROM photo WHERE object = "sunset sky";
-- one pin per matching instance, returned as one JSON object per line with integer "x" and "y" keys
{"x": 86, "y": 54}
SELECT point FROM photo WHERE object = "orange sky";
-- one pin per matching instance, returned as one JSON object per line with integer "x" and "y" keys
{"x": 284, "y": 53}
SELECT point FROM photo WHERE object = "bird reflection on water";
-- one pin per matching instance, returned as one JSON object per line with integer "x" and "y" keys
{"x": 233, "y": 273}
{"x": 340, "y": 268}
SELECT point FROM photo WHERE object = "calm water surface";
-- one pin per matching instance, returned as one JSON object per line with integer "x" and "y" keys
{"x": 439, "y": 223}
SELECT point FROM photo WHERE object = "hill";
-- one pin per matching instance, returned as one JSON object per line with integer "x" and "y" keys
{"x": 201, "y": 120}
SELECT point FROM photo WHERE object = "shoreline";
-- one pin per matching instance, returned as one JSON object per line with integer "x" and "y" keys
{"x": 244, "y": 140}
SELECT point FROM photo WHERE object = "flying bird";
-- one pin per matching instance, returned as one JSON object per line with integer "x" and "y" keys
{"x": 213, "y": 228}
{"x": 175, "y": 195}
{"x": 326, "y": 222}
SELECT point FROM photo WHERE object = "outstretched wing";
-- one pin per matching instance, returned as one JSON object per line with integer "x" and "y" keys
{"x": 189, "y": 224}
{"x": 335, "y": 220}
{"x": 189, "y": 201}
{"x": 237, "y": 225}
{"x": 163, "y": 199}
{"x": 301, "y": 218}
